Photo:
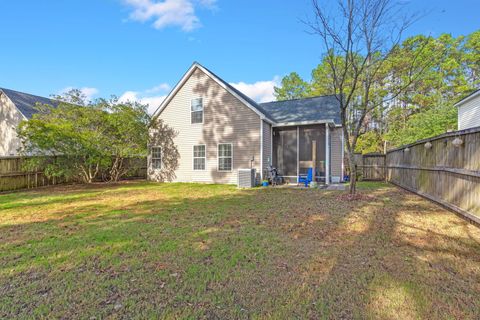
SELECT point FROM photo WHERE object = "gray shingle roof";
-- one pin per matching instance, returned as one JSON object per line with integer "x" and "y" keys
{"x": 299, "y": 110}
{"x": 304, "y": 110}
{"x": 25, "y": 102}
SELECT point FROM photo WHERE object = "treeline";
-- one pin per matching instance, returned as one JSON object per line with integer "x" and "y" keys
{"x": 423, "y": 110}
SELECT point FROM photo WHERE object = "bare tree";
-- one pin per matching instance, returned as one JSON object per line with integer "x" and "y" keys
{"x": 360, "y": 39}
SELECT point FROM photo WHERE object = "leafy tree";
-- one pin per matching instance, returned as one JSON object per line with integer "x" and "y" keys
{"x": 425, "y": 124}
{"x": 67, "y": 141}
{"x": 370, "y": 141}
{"x": 358, "y": 54}
{"x": 413, "y": 114}
{"x": 80, "y": 140}
{"x": 472, "y": 58}
{"x": 73, "y": 96}
{"x": 292, "y": 87}
{"x": 126, "y": 130}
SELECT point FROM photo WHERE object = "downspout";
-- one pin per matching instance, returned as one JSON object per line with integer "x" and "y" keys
{"x": 271, "y": 145}
{"x": 261, "y": 149}
{"x": 343, "y": 156}
{"x": 327, "y": 154}
{"x": 298, "y": 152}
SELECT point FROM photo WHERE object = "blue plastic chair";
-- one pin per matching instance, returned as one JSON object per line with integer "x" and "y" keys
{"x": 306, "y": 179}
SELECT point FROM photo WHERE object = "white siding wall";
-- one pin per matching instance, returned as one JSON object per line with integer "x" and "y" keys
{"x": 267, "y": 145}
{"x": 10, "y": 118}
{"x": 336, "y": 143}
{"x": 226, "y": 120}
{"x": 469, "y": 113}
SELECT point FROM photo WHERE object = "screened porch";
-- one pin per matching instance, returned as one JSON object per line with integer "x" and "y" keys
{"x": 297, "y": 148}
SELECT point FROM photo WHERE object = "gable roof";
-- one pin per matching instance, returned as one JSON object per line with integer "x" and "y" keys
{"x": 244, "y": 96}
{"x": 239, "y": 95}
{"x": 323, "y": 109}
{"x": 25, "y": 102}
{"x": 306, "y": 110}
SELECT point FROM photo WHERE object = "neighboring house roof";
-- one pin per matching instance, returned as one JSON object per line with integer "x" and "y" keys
{"x": 306, "y": 110}
{"x": 25, "y": 102}
{"x": 470, "y": 96}
{"x": 300, "y": 111}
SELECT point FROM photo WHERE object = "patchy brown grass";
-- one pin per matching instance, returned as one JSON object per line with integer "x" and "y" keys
{"x": 145, "y": 250}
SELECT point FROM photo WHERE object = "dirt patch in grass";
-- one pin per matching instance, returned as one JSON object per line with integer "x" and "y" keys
{"x": 359, "y": 196}
{"x": 145, "y": 250}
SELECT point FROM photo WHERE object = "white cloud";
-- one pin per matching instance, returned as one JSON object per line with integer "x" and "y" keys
{"x": 146, "y": 97}
{"x": 160, "y": 87}
{"x": 89, "y": 92}
{"x": 260, "y": 91}
{"x": 164, "y": 13}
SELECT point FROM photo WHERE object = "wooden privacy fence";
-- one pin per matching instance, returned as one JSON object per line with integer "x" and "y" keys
{"x": 372, "y": 166}
{"x": 442, "y": 170}
{"x": 13, "y": 176}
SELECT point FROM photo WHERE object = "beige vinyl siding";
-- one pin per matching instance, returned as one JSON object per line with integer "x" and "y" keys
{"x": 336, "y": 171}
{"x": 267, "y": 145}
{"x": 226, "y": 120}
{"x": 10, "y": 118}
{"x": 469, "y": 114}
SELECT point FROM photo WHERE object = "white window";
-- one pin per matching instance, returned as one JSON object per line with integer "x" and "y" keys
{"x": 197, "y": 110}
{"x": 225, "y": 157}
{"x": 199, "y": 157}
{"x": 156, "y": 153}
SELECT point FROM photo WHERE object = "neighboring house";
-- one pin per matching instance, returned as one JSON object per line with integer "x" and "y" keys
{"x": 15, "y": 107}
{"x": 220, "y": 130}
{"x": 469, "y": 111}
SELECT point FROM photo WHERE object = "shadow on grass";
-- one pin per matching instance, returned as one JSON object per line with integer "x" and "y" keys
{"x": 182, "y": 250}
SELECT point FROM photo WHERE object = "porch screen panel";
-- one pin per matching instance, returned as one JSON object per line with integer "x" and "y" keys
{"x": 285, "y": 151}
{"x": 309, "y": 134}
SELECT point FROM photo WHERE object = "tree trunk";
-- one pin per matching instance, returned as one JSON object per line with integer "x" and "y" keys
{"x": 353, "y": 173}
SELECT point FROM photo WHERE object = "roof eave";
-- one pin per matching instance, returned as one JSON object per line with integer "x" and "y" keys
{"x": 467, "y": 98}
{"x": 304, "y": 123}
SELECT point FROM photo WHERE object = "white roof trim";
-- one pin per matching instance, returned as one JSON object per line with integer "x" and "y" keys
{"x": 184, "y": 79}
{"x": 468, "y": 98}
{"x": 302, "y": 123}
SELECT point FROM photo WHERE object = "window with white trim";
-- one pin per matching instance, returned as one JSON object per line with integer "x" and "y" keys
{"x": 199, "y": 157}
{"x": 225, "y": 157}
{"x": 196, "y": 106}
{"x": 156, "y": 153}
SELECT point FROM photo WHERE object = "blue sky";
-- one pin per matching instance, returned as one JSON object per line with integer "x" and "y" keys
{"x": 139, "y": 49}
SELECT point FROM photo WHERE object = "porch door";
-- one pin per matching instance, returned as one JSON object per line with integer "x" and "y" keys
{"x": 285, "y": 151}
{"x": 310, "y": 135}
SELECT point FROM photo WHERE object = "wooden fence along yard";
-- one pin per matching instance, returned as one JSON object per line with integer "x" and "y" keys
{"x": 373, "y": 166}
{"x": 13, "y": 176}
{"x": 445, "y": 169}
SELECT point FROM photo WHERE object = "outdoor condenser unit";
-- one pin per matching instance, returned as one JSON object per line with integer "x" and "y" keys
{"x": 246, "y": 178}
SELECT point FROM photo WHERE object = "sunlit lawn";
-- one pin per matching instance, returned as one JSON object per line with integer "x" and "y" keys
{"x": 146, "y": 250}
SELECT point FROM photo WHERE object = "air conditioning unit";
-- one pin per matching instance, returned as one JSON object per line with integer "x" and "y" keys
{"x": 246, "y": 178}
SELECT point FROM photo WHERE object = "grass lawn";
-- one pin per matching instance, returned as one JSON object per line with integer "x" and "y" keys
{"x": 146, "y": 250}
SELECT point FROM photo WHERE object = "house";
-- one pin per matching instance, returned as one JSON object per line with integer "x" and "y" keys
{"x": 220, "y": 130}
{"x": 469, "y": 111}
{"x": 15, "y": 107}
